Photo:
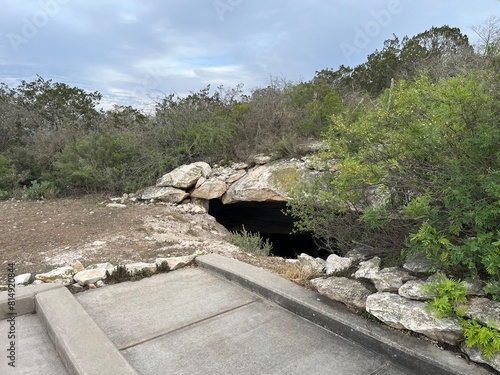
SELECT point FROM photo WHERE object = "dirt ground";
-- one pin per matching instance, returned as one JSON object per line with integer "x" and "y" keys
{"x": 41, "y": 236}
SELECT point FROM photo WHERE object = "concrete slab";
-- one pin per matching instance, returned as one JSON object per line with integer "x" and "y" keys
{"x": 258, "y": 338}
{"x": 35, "y": 352}
{"x": 81, "y": 345}
{"x": 420, "y": 355}
{"x": 132, "y": 312}
{"x": 24, "y": 299}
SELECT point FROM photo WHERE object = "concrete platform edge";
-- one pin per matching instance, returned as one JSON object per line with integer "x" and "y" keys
{"x": 80, "y": 343}
{"x": 24, "y": 299}
{"x": 412, "y": 353}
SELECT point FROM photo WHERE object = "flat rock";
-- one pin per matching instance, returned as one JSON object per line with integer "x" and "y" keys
{"x": 134, "y": 268}
{"x": 22, "y": 279}
{"x": 385, "y": 280}
{"x": 349, "y": 292}
{"x": 418, "y": 263}
{"x": 62, "y": 275}
{"x": 175, "y": 263}
{"x": 484, "y": 310}
{"x": 185, "y": 176}
{"x": 210, "y": 189}
{"x": 477, "y": 356}
{"x": 413, "y": 290}
{"x": 116, "y": 205}
{"x": 399, "y": 312}
{"x": 312, "y": 266}
{"x": 91, "y": 276}
{"x": 164, "y": 194}
{"x": 272, "y": 182}
{"x": 335, "y": 263}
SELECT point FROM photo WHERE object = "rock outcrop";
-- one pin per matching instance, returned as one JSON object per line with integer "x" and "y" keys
{"x": 349, "y": 292}
{"x": 401, "y": 313}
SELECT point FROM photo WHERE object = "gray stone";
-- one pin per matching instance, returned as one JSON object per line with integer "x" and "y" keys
{"x": 134, "y": 268}
{"x": 77, "y": 266}
{"x": 390, "y": 279}
{"x": 210, "y": 189}
{"x": 385, "y": 280}
{"x": 176, "y": 262}
{"x": 335, "y": 264}
{"x": 368, "y": 269}
{"x": 116, "y": 205}
{"x": 484, "y": 310}
{"x": 349, "y": 292}
{"x": 164, "y": 194}
{"x": 312, "y": 266}
{"x": 474, "y": 287}
{"x": 476, "y": 355}
{"x": 272, "y": 182}
{"x": 62, "y": 275}
{"x": 100, "y": 284}
{"x": 185, "y": 176}
{"x": 418, "y": 263}
{"x": 402, "y": 313}
{"x": 413, "y": 290}
{"x": 260, "y": 159}
{"x": 22, "y": 279}
{"x": 90, "y": 276}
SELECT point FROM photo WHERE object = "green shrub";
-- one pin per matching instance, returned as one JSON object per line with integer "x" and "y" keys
{"x": 447, "y": 297}
{"x": 251, "y": 242}
{"x": 485, "y": 336}
{"x": 40, "y": 190}
{"x": 4, "y": 195}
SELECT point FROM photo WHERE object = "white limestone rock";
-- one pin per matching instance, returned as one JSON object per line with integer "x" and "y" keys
{"x": 484, "y": 310}
{"x": 413, "y": 290}
{"x": 134, "y": 268}
{"x": 90, "y": 276}
{"x": 418, "y": 263}
{"x": 175, "y": 263}
{"x": 476, "y": 355}
{"x": 349, "y": 292}
{"x": 385, "y": 280}
{"x": 399, "y": 312}
{"x": 164, "y": 194}
{"x": 335, "y": 263}
{"x": 312, "y": 266}
{"x": 210, "y": 189}
{"x": 22, "y": 279}
{"x": 61, "y": 275}
{"x": 185, "y": 176}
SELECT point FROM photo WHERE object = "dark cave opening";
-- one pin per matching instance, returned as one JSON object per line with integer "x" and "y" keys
{"x": 268, "y": 219}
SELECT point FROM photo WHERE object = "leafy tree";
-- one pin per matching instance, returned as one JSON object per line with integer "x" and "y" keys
{"x": 428, "y": 166}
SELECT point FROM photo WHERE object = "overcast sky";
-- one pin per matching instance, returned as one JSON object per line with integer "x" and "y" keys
{"x": 130, "y": 50}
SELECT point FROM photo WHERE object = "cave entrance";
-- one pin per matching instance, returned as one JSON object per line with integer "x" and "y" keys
{"x": 268, "y": 219}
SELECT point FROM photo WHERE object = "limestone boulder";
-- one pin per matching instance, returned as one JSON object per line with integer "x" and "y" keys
{"x": 272, "y": 182}
{"x": 185, "y": 176}
{"x": 175, "y": 263}
{"x": 335, "y": 263}
{"x": 385, "y": 280}
{"x": 413, "y": 290}
{"x": 61, "y": 275}
{"x": 418, "y": 263}
{"x": 311, "y": 266}
{"x": 164, "y": 194}
{"x": 90, "y": 276}
{"x": 484, "y": 310}
{"x": 210, "y": 189}
{"x": 22, "y": 279}
{"x": 349, "y": 292}
{"x": 134, "y": 268}
{"x": 476, "y": 355}
{"x": 399, "y": 312}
